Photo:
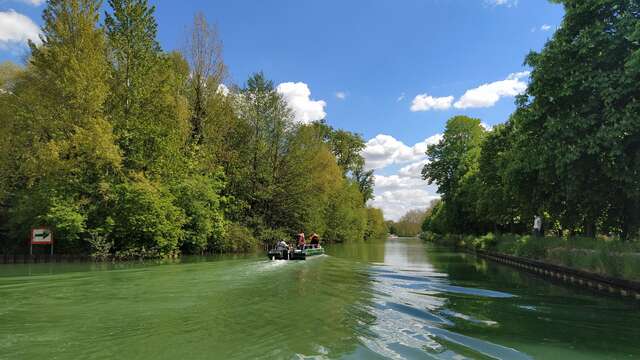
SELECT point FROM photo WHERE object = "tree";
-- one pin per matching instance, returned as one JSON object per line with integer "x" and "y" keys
{"x": 410, "y": 224}
{"x": 64, "y": 151}
{"x": 128, "y": 152}
{"x": 347, "y": 148}
{"x": 204, "y": 53}
{"x": 9, "y": 73}
{"x": 497, "y": 203}
{"x": 453, "y": 165}
{"x": 580, "y": 108}
{"x": 269, "y": 121}
{"x": 143, "y": 106}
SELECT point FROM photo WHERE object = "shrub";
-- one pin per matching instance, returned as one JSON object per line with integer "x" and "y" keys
{"x": 199, "y": 198}
{"x": 67, "y": 221}
{"x": 237, "y": 239}
{"x": 146, "y": 222}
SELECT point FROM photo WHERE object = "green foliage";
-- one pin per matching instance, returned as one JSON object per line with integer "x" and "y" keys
{"x": 146, "y": 221}
{"x": 376, "y": 227}
{"x": 581, "y": 105}
{"x": 610, "y": 257}
{"x": 66, "y": 219}
{"x": 143, "y": 106}
{"x": 411, "y": 223}
{"x": 455, "y": 156}
{"x": 345, "y": 217}
{"x": 453, "y": 165}
{"x": 569, "y": 153}
{"x": 237, "y": 239}
{"x": 9, "y": 73}
{"x": 199, "y": 198}
{"x": 129, "y": 152}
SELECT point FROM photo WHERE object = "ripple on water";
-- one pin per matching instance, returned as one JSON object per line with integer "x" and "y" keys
{"x": 415, "y": 324}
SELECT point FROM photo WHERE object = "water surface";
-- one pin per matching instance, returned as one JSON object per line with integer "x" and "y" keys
{"x": 395, "y": 299}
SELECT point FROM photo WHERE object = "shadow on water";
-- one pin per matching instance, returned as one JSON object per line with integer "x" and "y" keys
{"x": 395, "y": 299}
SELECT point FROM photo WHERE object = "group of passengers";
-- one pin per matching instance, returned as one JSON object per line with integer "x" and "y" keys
{"x": 314, "y": 242}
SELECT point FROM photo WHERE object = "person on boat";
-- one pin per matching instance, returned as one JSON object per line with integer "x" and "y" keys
{"x": 315, "y": 240}
{"x": 283, "y": 248}
{"x": 301, "y": 240}
{"x": 282, "y": 245}
{"x": 537, "y": 226}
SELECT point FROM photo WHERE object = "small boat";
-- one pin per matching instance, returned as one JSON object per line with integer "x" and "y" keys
{"x": 311, "y": 250}
{"x": 295, "y": 254}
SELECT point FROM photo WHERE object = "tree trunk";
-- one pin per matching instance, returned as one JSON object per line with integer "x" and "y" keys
{"x": 590, "y": 227}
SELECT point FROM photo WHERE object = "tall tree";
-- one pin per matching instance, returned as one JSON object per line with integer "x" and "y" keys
{"x": 65, "y": 151}
{"x": 143, "y": 105}
{"x": 453, "y": 166}
{"x": 581, "y": 105}
{"x": 204, "y": 53}
{"x": 347, "y": 147}
{"x": 455, "y": 155}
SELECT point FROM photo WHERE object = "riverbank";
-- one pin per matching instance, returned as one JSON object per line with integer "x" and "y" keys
{"x": 614, "y": 259}
{"x": 402, "y": 299}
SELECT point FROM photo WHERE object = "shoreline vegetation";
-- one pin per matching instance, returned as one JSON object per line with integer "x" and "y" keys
{"x": 569, "y": 155}
{"x": 127, "y": 151}
{"x": 613, "y": 258}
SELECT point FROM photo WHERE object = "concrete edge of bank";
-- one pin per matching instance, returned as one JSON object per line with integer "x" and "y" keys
{"x": 605, "y": 284}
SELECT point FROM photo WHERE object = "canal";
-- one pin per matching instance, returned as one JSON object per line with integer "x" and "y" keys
{"x": 394, "y": 299}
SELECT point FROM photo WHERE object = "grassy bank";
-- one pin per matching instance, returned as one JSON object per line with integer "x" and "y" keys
{"x": 602, "y": 256}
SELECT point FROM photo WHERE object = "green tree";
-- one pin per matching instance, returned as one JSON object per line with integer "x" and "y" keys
{"x": 147, "y": 223}
{"x": 143, "y": 105}
{"x": 269, "y": 121}
{"x": 580, "y": 109}
{"x": 376, "y": 227}
{"x": 63, "y": 148}
{"x": 453, "y": 166}
{"x": 497, "y": 204}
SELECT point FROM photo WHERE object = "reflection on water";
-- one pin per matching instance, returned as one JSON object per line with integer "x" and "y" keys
{"x": 395, "y": 299}
{"x": 411, "y": 310}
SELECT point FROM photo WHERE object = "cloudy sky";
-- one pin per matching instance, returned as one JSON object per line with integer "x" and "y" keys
{"x": 393, "y": 71}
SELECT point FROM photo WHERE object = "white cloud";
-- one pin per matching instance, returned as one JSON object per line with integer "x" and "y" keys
{"x": 413, "y": 170}
{"x": 424, "y": 102}
{"x": 397, "y": 194}
{"x": 405, "y": 190}
{"x": 507, "y": 3}
{"x": 487, "y": 95}
{"x": 400, "y": 98}
{"x": 34, "y": 2}
{"x": 223, "y": 89}
{"x": 304, "y": 109}
{"x": 545, "y": 27}
{"x": 341, "y": 95}
{"x": 486, "y": 126}
{"x": 16, "y": 29}
{"x": 384, "y": 150}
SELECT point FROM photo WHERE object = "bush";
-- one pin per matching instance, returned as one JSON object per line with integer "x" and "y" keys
{"x": 603, "y": 256}
{"x": 272, "y": 236}
{"x": 67, "y": 221}
{"x": 376, "y": 228}
{"x": 199, "y": 198}
{"x": 237, "y": 239}
{"x": 146, "y": 221}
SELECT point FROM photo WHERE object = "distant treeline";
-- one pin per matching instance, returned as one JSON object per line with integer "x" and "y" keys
{"x": 410, "y": 224}
{"x": 569, "y": 153}
{"x": 125, "y": 150}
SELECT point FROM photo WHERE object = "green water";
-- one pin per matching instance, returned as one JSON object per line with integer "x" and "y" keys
{"x": 394, "y": 299}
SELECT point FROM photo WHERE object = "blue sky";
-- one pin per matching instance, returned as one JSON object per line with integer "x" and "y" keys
{"x": 381, "y": 55}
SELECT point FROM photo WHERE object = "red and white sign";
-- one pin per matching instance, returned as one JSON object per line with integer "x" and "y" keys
{"x": 41, "y": 236}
